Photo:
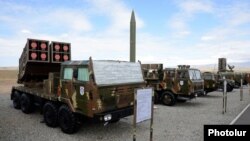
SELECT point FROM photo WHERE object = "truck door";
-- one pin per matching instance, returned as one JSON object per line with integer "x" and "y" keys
{"x": 183, "y": 82}
{"x": 66, "y": 82}
{"x": 81, "y": 89}
{"x": 74, "y": 87}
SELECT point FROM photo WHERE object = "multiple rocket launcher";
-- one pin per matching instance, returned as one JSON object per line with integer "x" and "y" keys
{"x": 39, "y": 58}
{"x": 41, "y": 51}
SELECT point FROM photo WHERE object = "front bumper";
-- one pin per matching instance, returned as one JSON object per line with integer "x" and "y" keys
{"x": 114, "y": 115}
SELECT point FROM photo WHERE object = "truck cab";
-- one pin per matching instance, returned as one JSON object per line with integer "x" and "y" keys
{"x": 184, "y": 81}
{"x": 95, "y": 90}
{"x": 172, "y": 83}
{"x": 212, "y": 82}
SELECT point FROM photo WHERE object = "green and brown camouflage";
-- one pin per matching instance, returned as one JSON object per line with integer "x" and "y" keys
{"x": 236, "y": 77}
{"x": 171, "y": 83}
{"x": 231, "y": 74}
{"x": 212, "y": 82}
{"x": 85, "y": 93}
{"x": 100, "y": 96}
{"x": 66, "y": 90}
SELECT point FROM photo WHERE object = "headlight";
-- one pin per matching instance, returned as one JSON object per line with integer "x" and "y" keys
{"x": 107, "y": 117}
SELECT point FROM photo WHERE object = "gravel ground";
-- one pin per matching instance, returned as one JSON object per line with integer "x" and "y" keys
{"x": 182, "y": 122}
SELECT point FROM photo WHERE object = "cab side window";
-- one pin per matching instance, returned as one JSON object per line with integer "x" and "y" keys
{"x": 68, "y": 73}
{"x": 83, "y": 74}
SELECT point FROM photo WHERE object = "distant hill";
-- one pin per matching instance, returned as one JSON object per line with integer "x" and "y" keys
{"x": 239, "y": 67}
{"x": 8, "y": 68}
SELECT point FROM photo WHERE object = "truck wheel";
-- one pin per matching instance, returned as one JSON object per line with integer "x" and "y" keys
{"x": 50, "y": 114}
{"x": 26, "y": 103}
{"x": 237, "y": 85}
{"x": 16, "y": 100}
{"x": 229, "y": 88}
{"x": 67, "y": 120}
{"x": 168, "y": 99}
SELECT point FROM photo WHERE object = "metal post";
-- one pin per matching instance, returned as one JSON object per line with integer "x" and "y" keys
{"x": 249, "y": 88}
{"x": 224, "y": 96}
{"x": 152, "y": 116}
{"x": 134, "y": 122}
{"x": 241, "y": 90}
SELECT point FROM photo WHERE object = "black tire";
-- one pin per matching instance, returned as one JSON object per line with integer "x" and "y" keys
{"x": 229, "y": 88}
{"x": 50, "y": 111}
{"x": 168, "y": 99}
{"x": 67, "y": 120}
{"x": 237, "y": 85}
{"x": 16, "y": 97}
{"x": 26, "y": 104}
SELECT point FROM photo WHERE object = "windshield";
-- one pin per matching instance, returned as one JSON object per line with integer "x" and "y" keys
{"x": 208, "y": 76}
{"x": 194, "y": 74}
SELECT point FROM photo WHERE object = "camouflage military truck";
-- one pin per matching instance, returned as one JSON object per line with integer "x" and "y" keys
{"x": 173, "y": 83}
{"x": 230, "y": 74}
{"x": 66, "y": 91}
{"x": 212, "y": 82}
{"x": 236, "y": 77}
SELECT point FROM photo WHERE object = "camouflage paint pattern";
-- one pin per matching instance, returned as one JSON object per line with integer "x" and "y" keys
{"x": 170, "y": 80}
{"x": 210, "y": 83}
{"x": 236, "y": 77}
{"x": 213, "y": 82}
{"x": 84, "y": 97}
{"x": 97, "y": 99}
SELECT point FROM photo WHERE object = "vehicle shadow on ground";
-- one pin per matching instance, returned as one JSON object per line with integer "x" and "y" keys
{"x": 90, "y": 128}
{"x": 190, "y": 103}
{"x": 211, "y": 96}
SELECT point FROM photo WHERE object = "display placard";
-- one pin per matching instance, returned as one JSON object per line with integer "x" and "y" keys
{"x": 144, "y": 104}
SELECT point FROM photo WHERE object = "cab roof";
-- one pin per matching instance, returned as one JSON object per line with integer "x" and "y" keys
{"x": 73, "y": 63}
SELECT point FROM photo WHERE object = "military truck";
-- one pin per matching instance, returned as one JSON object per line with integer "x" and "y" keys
{"x": 230, "y": 74}
{"x": 171, "y": 84}
{"x": 212, "y": 83}
{"x": 66, "y": 91}
{"x": 236, "y": 77}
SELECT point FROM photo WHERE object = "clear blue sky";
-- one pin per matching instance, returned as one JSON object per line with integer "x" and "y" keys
{"x": 168, "y": 31}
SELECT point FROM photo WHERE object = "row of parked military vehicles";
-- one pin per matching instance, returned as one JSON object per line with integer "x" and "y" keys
{"x": 103, "y": 90}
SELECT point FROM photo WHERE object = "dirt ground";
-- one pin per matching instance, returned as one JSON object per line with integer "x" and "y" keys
{"x": 7, "y": 79}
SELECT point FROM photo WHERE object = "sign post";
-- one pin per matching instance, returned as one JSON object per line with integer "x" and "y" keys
{"x": 224, "y": 104}
{"x": 143, "y": 109}
{"x": 241, "y": 90}
{"x": 249, "y": 88}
